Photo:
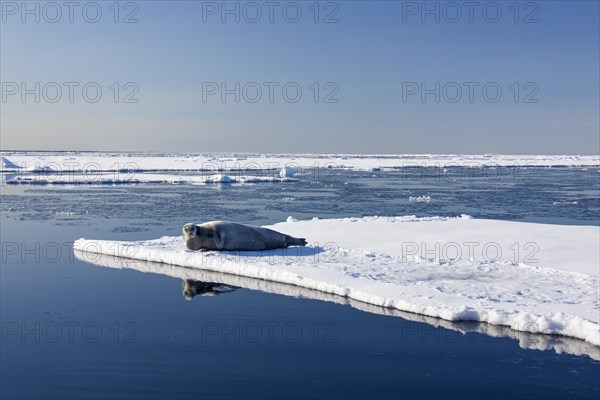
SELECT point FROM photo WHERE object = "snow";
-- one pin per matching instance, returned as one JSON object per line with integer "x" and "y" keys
{"x": 537, "y": 278}
{"x": 287, "y": 171}
{"x": 285, "y": 164}
{"x": 137, "y": 178}
{"x": 119, "y": 168}
{"x": 8, "y": 165}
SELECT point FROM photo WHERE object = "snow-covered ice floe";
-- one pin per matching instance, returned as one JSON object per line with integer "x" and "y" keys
{"x": 284, "y": 164}
{"x": 537, "y": 278}
{"x": 126, "y": 168}
{"x": 139, "y": 178}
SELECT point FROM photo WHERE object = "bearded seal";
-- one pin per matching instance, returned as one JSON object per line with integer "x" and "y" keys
{"x": 223, "y": 235}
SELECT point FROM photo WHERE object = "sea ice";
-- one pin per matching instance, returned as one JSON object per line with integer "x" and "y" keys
{"x": 537, "y": 278}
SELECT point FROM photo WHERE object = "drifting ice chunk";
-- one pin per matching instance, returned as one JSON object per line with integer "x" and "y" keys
{"x": 538, "y": 278}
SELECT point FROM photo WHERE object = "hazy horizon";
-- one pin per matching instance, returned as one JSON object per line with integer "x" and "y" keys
{"x": 290, "y": 153}
{"x": 33, "y": 150}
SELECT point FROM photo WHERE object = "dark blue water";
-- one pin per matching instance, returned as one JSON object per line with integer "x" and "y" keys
{"x": 72, "y": 329}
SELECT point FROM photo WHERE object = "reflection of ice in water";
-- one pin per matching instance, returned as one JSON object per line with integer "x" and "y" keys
{"x": 218, "y": 283}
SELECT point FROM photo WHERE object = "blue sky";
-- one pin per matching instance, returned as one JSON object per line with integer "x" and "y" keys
{"x": 367, "y": 61}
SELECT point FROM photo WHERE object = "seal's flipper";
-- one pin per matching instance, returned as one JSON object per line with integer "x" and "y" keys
{"x": 220, "y": 240}
{"x": 292, "y": 241}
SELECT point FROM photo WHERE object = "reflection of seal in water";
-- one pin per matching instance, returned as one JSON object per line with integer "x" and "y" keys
{"x": 192, "y": 288}
{"x": 221, "y": 235}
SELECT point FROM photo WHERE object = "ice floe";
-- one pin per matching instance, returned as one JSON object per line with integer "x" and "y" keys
{"x": 284, "y": 164}
{"x": 536, "y": 278}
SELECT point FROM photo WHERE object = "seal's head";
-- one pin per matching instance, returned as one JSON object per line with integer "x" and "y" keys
{"x": 189, "y": 231}
{"x": 189, "y": 291}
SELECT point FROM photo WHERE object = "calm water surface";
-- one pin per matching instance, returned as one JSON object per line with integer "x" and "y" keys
{"x": 76, "y": 329}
